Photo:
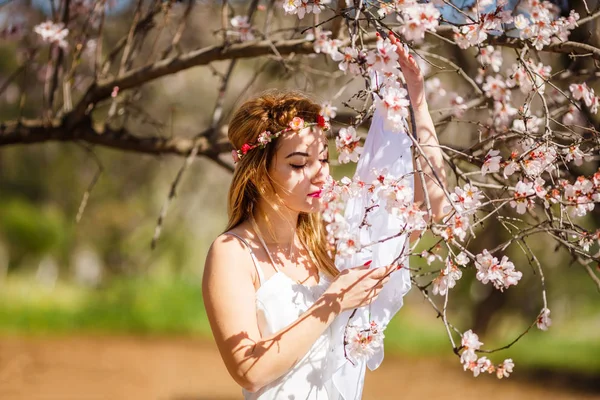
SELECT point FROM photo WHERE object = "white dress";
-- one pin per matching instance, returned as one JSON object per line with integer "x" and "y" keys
{"x": 324, "y": 373}
{"x": 279, "y": 302}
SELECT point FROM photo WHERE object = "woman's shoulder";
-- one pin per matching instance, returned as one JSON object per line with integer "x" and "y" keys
{"x": 236, "y": 239}
{"x": 230, "y": 251}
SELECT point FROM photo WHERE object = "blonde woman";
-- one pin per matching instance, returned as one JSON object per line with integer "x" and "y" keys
{"x": 270, "y": 289}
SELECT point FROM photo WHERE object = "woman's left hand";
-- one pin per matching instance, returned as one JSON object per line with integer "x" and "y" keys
{"x": 412, "y": 72}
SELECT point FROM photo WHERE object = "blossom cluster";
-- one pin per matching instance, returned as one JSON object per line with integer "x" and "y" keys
{"x": 360, "y": 344}
{"x": 581, "y": 91}
{"x": 470, "y": 344}
{"x": 415, "y": 18}
{"x": 348, "y": 146}
{"x": 386, "y": 194}
{"x": 303, "y": 7}
{"x": 502, "y": 274}
{"x": 537, "y": 22}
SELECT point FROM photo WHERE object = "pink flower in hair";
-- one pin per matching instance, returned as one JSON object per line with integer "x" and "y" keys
{"x": 235, "y": 156}
{"x": 297, "y": 123}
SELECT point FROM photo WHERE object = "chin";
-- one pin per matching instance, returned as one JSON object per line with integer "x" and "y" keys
{"x": 313, "y": 206}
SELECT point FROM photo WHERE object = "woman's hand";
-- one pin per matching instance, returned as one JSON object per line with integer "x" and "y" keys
{"x": 357, "y": 287}
{"x": 412, "y": 72}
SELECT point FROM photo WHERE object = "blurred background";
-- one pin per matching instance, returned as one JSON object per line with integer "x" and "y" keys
{"x": 89, "y": 311}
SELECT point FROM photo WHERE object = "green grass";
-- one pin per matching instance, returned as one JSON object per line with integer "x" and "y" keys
{"x": 166, "y": 306}
{"x": 140, "y": 306}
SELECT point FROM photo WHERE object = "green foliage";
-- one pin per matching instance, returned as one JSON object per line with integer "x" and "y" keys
{"x": 29, "y": 230}
{"x": 138, "y": 305}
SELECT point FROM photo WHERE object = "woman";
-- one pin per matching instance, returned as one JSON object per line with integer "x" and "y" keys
{"x": 270, "y": 289}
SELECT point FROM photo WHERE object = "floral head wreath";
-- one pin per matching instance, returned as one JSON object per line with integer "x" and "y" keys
{"x": 266, "y": 137}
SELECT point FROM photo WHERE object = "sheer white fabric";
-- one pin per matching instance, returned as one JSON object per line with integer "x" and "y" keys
{"x": 384, "y": 149}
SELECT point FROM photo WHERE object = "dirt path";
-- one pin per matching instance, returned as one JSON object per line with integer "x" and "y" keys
{"x": 91, "y": 368}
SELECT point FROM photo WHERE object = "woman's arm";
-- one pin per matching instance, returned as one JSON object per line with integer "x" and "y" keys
{"x": 229, "y": 297}
{"x": 429, "y": 143}
{"x": 426, "y": 136}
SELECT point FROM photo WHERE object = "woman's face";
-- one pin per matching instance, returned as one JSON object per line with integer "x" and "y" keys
{"x": 300, "y": 168}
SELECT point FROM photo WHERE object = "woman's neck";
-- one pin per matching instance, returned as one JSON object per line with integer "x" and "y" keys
{"x": 276, "y": 225}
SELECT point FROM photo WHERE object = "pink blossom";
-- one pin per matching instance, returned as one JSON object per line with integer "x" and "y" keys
{"x": 394, "y": 103}
{"x": 470, "y": 341}
{"x": 491, "y": 163}
{"x": 53, "y": 33}
{"x": 505, "y": 369}
{"x": 384, "y": 58}
{"x": 348, "y": 145}
{"x": 447, "y": 278}
{"x": 348, "y": 60}
{"x": 543, "y": 321}
{"x": 495, "y": 87}
{"x": 501, "y": 274}
{"x": 328, "y": 111}
{"x": 242, "y": 27}
{"x": 466, "y": 199}
{"x": 363, "y": 343}
{"x": 522, "y": 196}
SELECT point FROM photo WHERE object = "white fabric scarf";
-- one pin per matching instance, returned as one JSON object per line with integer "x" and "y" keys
{"x": 383, "y": 149}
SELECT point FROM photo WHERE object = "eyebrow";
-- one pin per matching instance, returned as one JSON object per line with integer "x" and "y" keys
{"x": 303, "y": 154}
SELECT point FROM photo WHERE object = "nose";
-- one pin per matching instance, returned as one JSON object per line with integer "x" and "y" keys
{"x": 321, "y": 174}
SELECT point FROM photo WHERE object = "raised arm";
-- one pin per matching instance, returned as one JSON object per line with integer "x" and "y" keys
{"x": 426, "y": 136}
{"x": 229, "y": 297}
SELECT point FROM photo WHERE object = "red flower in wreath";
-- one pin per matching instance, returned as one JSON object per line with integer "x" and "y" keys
{"x": 246, "y": 148}
{"x": 321, "y": 121}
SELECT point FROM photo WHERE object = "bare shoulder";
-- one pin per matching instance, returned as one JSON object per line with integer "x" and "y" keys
{"x": 228, "y": 257}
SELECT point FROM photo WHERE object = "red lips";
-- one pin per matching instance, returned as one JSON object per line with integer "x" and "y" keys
{"x": 315, "y": 194}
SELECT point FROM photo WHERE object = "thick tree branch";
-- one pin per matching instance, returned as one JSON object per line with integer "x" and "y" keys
{"x": 35, "y": 131}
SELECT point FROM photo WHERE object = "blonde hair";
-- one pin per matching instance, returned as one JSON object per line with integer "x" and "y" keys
{"x": 272, "y": 111}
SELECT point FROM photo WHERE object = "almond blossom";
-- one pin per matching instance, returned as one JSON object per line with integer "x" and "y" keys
{"x": 470, "y": 342}
{"x": 417, "y": 19}
{"x": 461, "y": 259}
{"x": 496, "y": 88}
{"x": 53, "y": 33}
{"x": 323, "y": 43}
{"x": 501, "y": 274}
{"x": 301, "y": 7}
{"x": 529, "y": 77}
{"x": 543, "y": 321}
{"x": 348, "y": 60}
{"x": 242, "y": 27}
{"x": 469, "y": 35}
{"x": 394, "y": 102}
{"x": 384, "y": 58}
{"x": 489, "y": 56}
{"x": 362, "y": 343}
{"x": 466, "y": 199}
{"x": 522, "y": 197}
{"x": 491, "y": 163}
{"x": 574, "y": 153}
{"x": 456, "y": 227}
{"x": 434, "y": 89}
{"x": 447, "y": 278}
{"x": 505, "y": 369}
{"x": 585, "y": 93}
{"x": 328, "y": 111}
{"x": 348, "y": 146}
{"x": 539, "y": 23}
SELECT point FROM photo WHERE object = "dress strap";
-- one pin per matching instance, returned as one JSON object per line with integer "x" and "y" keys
{"x": 261, "y": 278}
